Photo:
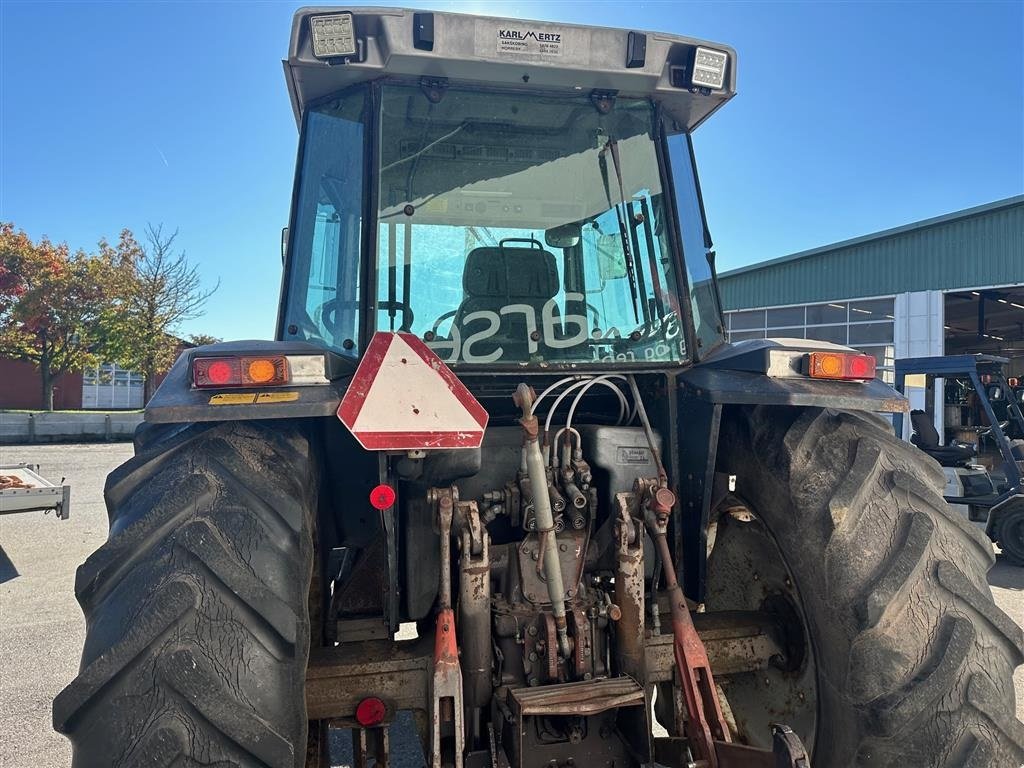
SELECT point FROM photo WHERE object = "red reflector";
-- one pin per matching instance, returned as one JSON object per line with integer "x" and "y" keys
{"x": 370, "y": 711}
{"x": 216, "y": 372}
{"x": 382, "y": 497}
{"x": 840, "y": 365}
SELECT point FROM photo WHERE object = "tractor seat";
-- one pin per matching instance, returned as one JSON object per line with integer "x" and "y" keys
{"x": 927, "y": 439}
{"x": 496, "y": 277}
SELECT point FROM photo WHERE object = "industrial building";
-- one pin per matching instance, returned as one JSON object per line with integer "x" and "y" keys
{"x": 953, "y": 284}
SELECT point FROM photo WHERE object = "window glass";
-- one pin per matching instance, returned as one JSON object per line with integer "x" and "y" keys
{"x": 324, "y": 246}
{"x": 735, "y": 336}
{"x": 822, "y": 314}
{"x": 866, "y": 333}
{"x": 514, "y": 232}
{"x": 834, "y": 333}
{"x": 753, "y": 318}
{"x": 875, "y": 309}
{"x": 787, "y": 316}
{"x": 707, "y": 315}
{"x": 786, "y": 333}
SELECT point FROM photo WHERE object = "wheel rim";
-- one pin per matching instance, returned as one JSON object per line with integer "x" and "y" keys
{"x": 747, "y": 571}
{"x": 1013, "y": 535}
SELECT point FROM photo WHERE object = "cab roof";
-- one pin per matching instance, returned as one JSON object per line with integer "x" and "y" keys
{"x": 510, "y": 53}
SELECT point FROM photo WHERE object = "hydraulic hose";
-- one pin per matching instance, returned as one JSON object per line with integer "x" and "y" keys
{"x": 536, "y": 473}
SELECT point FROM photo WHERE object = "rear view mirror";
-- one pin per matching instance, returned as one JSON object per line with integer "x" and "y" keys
{"x": 563, "y": 236}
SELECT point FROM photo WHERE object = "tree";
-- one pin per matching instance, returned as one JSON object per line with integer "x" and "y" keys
{"x": 51, "y": 301}
{"x": 202, "y": 339}
{"x": 163, "y": 291}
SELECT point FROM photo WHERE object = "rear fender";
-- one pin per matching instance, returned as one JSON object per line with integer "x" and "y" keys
{"x": 758, "y": 372}
{"x": 177, "y": 401}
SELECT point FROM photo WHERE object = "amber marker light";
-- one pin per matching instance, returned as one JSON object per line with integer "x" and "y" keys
{"x": 264, "y": 370}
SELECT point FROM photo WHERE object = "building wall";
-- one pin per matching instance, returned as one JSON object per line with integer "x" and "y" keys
{"x": 21, "y": 389}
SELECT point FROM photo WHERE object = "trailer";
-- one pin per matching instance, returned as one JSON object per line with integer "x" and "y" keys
{"x": 23, "y": 489}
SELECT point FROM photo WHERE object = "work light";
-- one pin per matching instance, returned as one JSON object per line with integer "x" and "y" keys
{"x": 709, "y": 68}
{"x": 333, "y": 35}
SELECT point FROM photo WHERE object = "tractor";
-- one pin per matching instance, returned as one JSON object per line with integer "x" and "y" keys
{"x": 501, "y": 475}
{"x": 980, "y": 403}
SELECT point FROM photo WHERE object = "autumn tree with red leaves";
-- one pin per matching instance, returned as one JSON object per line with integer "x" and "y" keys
{"x": 52, "y": 301}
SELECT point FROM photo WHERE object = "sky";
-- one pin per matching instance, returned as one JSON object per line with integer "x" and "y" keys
{"x": 849, "y": 118}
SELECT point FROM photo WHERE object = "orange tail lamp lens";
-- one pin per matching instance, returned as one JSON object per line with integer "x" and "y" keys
{"x": 840, "y": 365}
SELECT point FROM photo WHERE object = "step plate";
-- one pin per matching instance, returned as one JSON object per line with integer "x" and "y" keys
{"x": 589, "y": 697}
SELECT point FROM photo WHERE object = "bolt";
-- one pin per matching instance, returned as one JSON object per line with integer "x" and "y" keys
{"x": 789, "y": 582}
{"x": 533, "y": 656}
{"x": 533, "y": 555}
{"x": 562, "y": 548}
{"x": 756, "y": 577}
{"x": 534, "y": 681}
{"x": 532, "y": 631}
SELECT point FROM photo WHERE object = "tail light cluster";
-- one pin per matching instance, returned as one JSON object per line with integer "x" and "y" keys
{"x": 257, "y": 371}
{"x": 840, "y": 365}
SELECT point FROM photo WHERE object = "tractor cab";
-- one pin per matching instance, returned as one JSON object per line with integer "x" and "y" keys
{"x": 538, "y": 209}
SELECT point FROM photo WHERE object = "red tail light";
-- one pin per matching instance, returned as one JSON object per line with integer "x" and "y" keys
{"x": 239, "y": 371}
{"x": 840, "y": 365}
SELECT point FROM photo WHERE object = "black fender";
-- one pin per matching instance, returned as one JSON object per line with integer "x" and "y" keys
{"x": 770, "y": 372}
{"x": 178, "y": 401}
{"x": 755, "y": 372}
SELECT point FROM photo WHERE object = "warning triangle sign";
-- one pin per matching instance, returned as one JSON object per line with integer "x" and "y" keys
{"x": 403, "y": 397}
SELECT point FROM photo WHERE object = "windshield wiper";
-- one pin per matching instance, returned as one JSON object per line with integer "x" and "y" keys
{"x": 627, "y": 254}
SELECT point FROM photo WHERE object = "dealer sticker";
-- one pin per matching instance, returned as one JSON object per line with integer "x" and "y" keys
{"x": 524, "y": 40}
{"x": 533, "y": 42}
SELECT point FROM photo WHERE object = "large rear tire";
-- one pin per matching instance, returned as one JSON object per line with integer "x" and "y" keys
{"x": 196, "y": 606}
{"x": 912, "y": 661}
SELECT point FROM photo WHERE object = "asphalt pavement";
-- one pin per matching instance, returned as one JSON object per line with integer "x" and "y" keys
{"x": 41, "y": 626}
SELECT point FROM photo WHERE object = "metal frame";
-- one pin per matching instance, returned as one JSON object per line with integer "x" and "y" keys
{"x": 971, "y": 367}
{"x": 40, "y": 495}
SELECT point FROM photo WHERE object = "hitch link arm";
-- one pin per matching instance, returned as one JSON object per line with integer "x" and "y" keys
{"x": 447, "y": 734}
{"x": 705, "y": 723}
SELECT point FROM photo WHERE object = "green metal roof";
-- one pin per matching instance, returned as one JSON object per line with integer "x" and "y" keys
{"x": 977, "y": 247}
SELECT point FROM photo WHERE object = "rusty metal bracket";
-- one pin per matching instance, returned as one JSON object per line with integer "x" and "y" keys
{"x": 447, "y": 733}
{"x": 474, "y": 609}
{"x": 371, "y": 747}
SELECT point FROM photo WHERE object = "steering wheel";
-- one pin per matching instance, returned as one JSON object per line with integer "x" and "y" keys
{"x": 328, "y": 313}
{"x": 401, "y": 306}
{"x": 441, "y": 319}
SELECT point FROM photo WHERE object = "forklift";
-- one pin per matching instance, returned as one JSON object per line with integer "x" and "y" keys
{"x": 983, "y": 474}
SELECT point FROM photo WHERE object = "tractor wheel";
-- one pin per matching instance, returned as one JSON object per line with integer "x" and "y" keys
{"x": 897, "y": 654}
{"x": 197, "y": 626}
{"x": 1010, "y": 532}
